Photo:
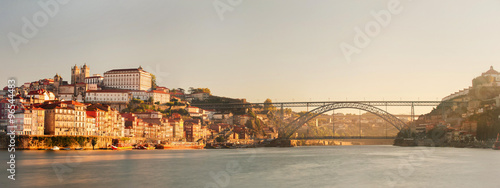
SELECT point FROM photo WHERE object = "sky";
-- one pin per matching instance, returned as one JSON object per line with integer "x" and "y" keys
{"x": 285, "y": 50}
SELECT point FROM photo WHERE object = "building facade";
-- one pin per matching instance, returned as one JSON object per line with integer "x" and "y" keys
{"x": 78, "y": 75}
{"x": 130, "y": 79}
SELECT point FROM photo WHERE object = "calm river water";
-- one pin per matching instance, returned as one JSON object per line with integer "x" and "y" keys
{"x": 328, "y": 166}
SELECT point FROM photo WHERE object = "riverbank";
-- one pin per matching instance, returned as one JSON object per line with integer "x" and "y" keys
{"x": 409, "y": 142}
{"x": 23, "y": 142}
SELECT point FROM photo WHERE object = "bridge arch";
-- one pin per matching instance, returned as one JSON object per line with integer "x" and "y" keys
{"x": 292, "y": 127}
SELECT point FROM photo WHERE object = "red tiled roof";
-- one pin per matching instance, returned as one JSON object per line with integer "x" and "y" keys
{"x": 156, "y": 91}
{"x": 119, "y": 70}
{"x": 94, "y": 77}
{"x": 73, "y": 102}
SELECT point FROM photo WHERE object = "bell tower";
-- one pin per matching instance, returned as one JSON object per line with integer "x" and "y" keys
{"x": 85, "y": 73}
{"x": 75, "y": 74}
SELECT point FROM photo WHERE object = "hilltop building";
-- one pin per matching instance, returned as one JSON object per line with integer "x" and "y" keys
{"x": 78, "y": 75}
{"x": 130, "y": 79}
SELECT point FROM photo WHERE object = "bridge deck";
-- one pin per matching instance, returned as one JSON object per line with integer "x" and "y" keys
{"x": 343, "y": 137}
{"x": 318, "y": 104}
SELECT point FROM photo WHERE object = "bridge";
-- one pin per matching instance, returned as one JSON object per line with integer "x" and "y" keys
{"x": 325, "y": 106}
{"x": 343, "y": 137}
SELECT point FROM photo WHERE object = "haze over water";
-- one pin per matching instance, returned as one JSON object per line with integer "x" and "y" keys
{"x": 334, "y": 166}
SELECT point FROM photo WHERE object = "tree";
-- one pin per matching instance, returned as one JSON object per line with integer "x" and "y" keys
{"x": 199, "y": 90}
{"x": 153, "y": 81}
{"x": 220, "y": 139}
{"x": 268, "y": 105}
{"x": 94, "y": 142}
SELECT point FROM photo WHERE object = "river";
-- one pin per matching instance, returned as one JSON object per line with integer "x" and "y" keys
{"x": 322, "y": 166}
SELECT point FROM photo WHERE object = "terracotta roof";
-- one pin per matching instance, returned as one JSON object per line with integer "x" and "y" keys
{"x": 94, "y": 77}
{"x": 119, "y": 70}
{"x": 156, "y": 91}
{"x": 73, "y": 102}
{"x": 37, "y": 92}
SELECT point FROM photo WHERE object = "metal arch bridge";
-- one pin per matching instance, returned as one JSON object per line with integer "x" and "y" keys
{"x": 326, "y": 106}
{"x": 293, "y": 126}
{"x": 317, "y": 104}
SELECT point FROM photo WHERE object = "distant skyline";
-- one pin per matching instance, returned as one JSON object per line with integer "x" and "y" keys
{"x": 285, "y": 50}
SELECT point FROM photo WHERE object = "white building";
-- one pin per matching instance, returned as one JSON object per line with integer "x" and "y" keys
{"x": 22, "y": 122}
{"x": 41, "y": 95}
{"x": 194, "y": 111}
{"x": 108, "y": 96}
{"x": 160, "y": 96}
{"x": 131, "y": 79}
{"x": 200, "y": 96}
{"x": 66, "y": 92}
{"x": 94, "y": 79}
{"x": 157, "y": 96}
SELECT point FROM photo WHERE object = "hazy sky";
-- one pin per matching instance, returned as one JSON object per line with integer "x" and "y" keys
{"x": 280, "y": 49}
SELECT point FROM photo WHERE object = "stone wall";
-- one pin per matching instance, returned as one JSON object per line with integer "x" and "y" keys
{"x": 48, "y": 141}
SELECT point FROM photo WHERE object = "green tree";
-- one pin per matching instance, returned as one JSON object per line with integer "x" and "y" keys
{"x": 153, "y": 81}
{"x": 268, "y": 105}
{"x": 94, "y": 142}
{"x": 199, "y": 90}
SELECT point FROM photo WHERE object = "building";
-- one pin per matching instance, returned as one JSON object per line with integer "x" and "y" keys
{"x": 193, "y": 130}
{"x": 79, "y": 117}
{"x": 90, "y": 124}
{"x": 38, "y": 121}
{"x": 194, "y": 112}
{"x": 130, "y": 79}
{"x": 66, "y": 92}
{"x": 41, "y": 95}
{"x": 59, "y": 119}
{"x": 160, "y": 97}
{"x": 95, "y": 79}
{"x": 226, "y": 118}
{"x": 118, "y": 99}
{"x": 156, "y": 96}
{"x": 22, "y": 122}
{"x": 201, "y": 96}
{"x": 134, "y": 127}
{"x": 177, "y": 124}
{"x": 78, "y": 75}
{"x": 109, "y": 121}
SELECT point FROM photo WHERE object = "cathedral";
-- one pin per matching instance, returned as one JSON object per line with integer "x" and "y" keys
{"x": 78, "y": 75}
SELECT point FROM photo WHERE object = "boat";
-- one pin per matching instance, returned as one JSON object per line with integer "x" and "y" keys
{"x": 55, "y": 148}
{"x": 66, "y": 149}
{"x": 181, "y": 145}
{"x": 78, "y": 148}
{"x": 121, "y": 147}
{"x": 145, "y": 146}
{"x": 496, "y": 145}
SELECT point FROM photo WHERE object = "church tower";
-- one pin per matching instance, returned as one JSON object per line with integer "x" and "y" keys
{"x": 75, "y": 74}
{"x": 85, "y": 73}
